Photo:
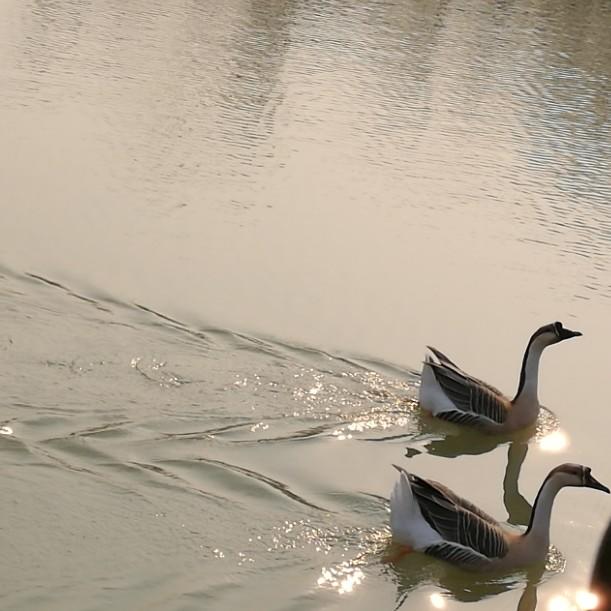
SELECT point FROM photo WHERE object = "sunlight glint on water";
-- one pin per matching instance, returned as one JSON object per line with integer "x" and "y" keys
{"x": 581, "y": 600}
{"x": 437, "y": 601}
{"x": 556, "y": 441}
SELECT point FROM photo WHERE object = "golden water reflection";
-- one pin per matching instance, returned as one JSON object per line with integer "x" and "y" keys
{"x": 586, "y": 599}
{"x": 343, "y": 577}
{"x": 556, "y": 441}
{"x": 582, "y": 600}
{"x": 437, "y": 601}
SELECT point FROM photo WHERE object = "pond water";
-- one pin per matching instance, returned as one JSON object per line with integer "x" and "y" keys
{"x": 228, "y": 231}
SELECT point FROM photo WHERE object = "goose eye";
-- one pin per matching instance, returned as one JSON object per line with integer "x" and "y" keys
{"x": 557, "y": 328}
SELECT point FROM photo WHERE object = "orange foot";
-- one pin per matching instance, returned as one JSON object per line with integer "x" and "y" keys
{"x": 398, "y": 553}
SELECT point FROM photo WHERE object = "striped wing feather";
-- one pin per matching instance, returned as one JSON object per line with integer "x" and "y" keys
{"x": 442, "y": 357}
{"x": 456, "y": 554}
{"x": 469, "y": 532}
{"x": 474, "y": 399}
{"x": 446, "y": 361}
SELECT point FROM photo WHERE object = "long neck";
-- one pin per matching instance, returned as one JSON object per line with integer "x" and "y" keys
{"x": 529, "y": 374}
{"x": 542, "y": 511}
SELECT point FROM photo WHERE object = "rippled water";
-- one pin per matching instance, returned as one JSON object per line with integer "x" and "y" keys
{"x": 228, "y": 231}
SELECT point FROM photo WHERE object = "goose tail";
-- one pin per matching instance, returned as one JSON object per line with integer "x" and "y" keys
{"x": 402, "y": 505}
{"x": 431, "y": 397}
{"x": 441, "y": 357}
{"x": 407, "y": 523}
{"x": 430, "y": 357}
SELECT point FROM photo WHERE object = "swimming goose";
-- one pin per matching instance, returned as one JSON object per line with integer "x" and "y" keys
{"x": 449, "y": 393}
{"x": 428, "y": 517}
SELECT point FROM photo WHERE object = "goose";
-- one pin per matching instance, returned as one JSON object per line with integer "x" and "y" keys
{"x": 426, "y": 516}
{"x": 448, "y": 393}
{"x": 601, "y": 575}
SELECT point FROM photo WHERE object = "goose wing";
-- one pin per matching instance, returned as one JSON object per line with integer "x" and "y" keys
{"x": 460, "y": 502}
{"x": 446, "y": 361}
{"x": 470, "y": 535}
{"x": 475, "y": 401}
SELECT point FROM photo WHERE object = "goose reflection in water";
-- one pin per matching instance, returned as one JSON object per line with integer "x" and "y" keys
{"x": 450, "y": 441}
{"x": 454, "y": 584}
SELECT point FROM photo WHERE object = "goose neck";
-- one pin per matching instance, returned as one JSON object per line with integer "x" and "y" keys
{"x": 542, "y": 511}
{"x": 529, "y": 374}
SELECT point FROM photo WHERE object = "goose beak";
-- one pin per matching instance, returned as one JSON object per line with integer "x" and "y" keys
{"x": 567, "y": 334}
{"x": 594, "y": 483}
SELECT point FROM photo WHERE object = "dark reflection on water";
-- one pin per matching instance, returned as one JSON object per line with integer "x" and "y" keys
{"x": 518, "y": 508}
{"x": 253, "y": 91}
{"x": 454, "y": 584}
{"x": 432, "y": 436}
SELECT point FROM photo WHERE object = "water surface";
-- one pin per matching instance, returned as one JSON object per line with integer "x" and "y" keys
{"x": 227, "y": 234}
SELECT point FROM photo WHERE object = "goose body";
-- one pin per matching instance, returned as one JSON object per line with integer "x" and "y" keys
{"x": 428, "y": 517}
{"x": 449, "y": 393}
{"x": 601, "y": 575}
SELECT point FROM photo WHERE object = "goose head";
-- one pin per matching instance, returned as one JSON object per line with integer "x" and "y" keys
{"x": 570, "y": 474}
{"x": 553, "y": 333}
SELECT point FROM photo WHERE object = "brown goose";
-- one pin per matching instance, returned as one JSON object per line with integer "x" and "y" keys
{"x": 447, "y": 392}
{"x": 601, "y": 575}
{"x": 426, "y": 516}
